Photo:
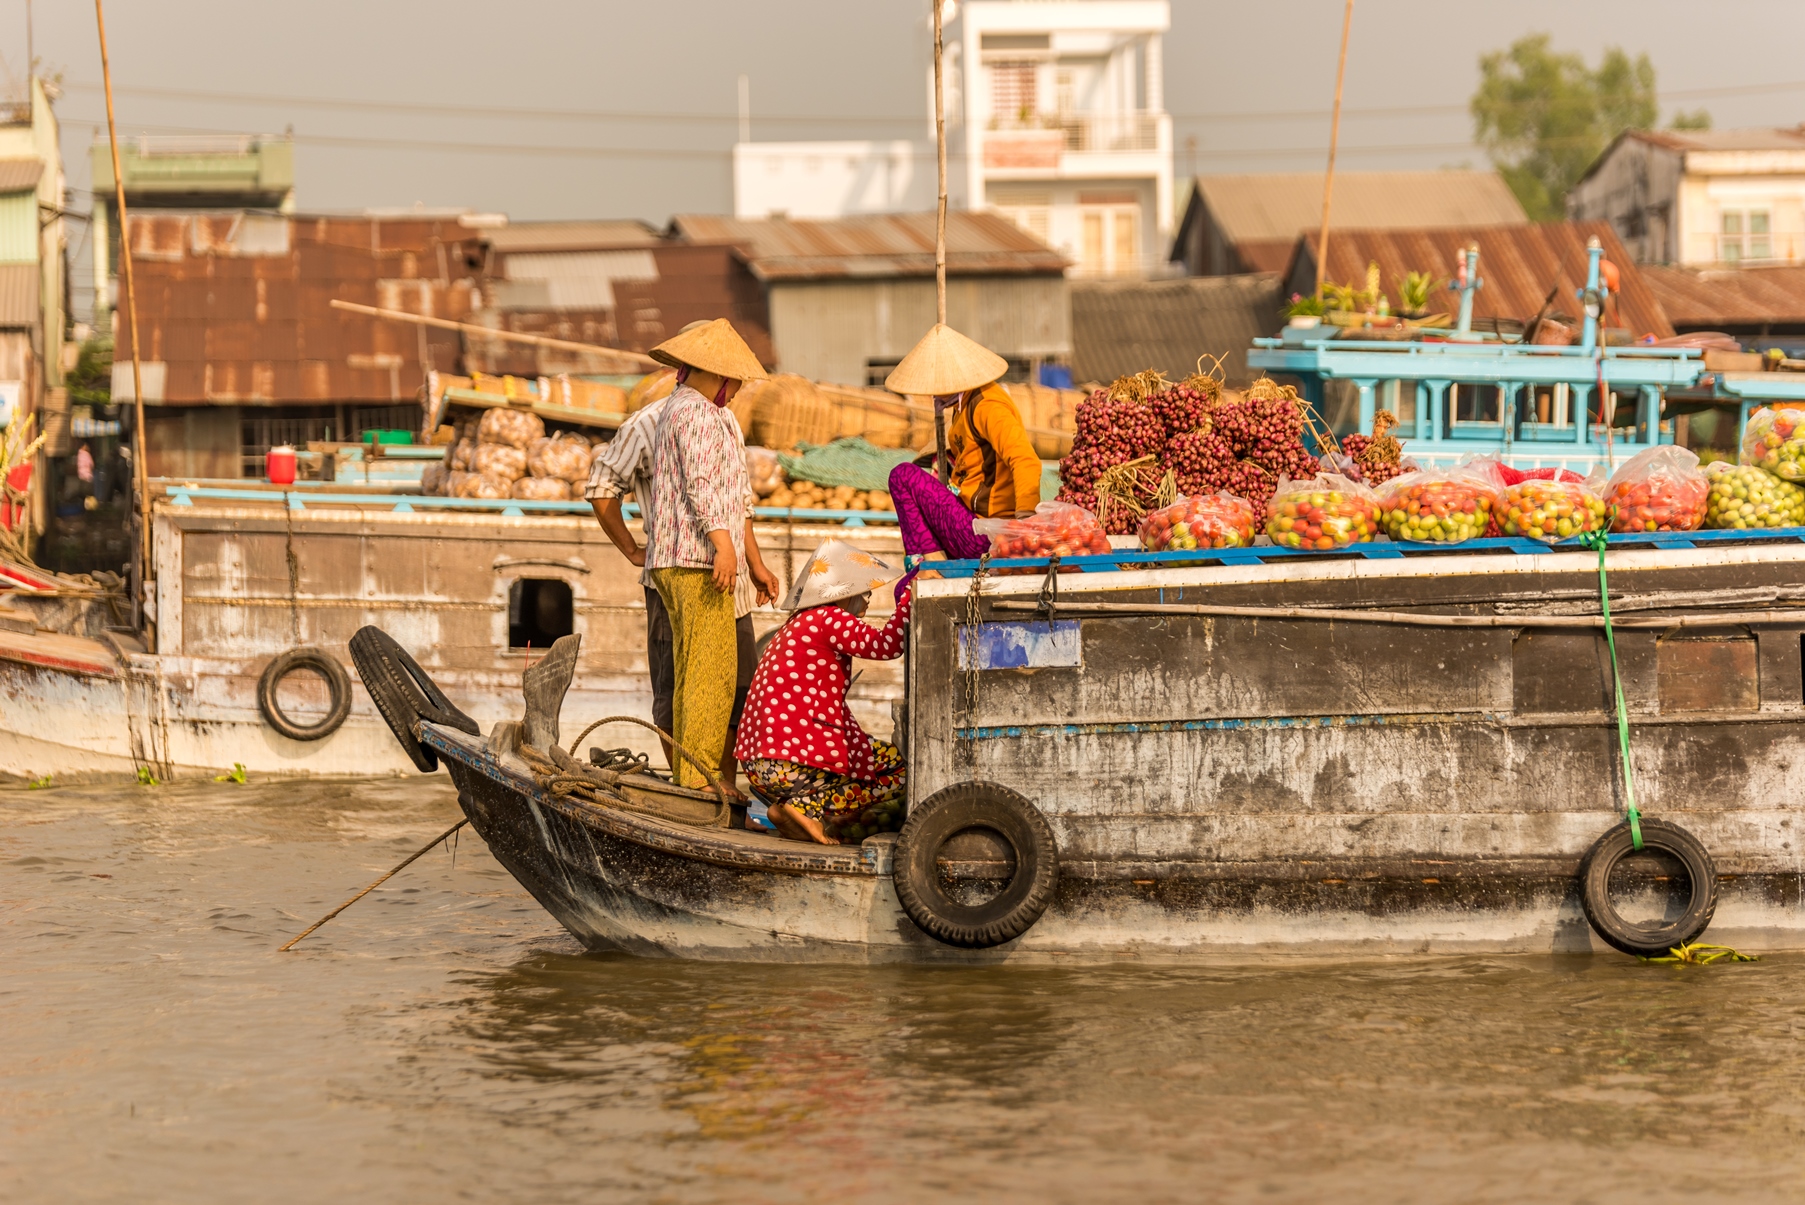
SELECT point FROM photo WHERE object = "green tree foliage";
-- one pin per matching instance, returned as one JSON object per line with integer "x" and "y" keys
{"x": 91, "y": 383}
{"x": 1544, "y": 117}
{"x": 1698, "y": 119}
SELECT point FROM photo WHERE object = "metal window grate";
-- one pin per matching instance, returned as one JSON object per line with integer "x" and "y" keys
{"x": 260, "y": 434}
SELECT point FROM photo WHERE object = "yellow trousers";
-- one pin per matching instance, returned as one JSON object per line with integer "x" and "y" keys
{"x": 705, "y": 654}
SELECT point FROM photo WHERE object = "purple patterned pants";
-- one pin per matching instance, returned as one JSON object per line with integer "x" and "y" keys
{"x": 932, "y": 517}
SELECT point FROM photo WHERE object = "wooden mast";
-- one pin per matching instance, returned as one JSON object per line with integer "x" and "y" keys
{"x": 1328, "y": 179}
{"x": 940, "y": 465}
{"x": 140, "y": 458}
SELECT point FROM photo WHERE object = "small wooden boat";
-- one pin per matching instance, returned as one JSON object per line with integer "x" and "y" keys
{"x": 1393, "y": 748}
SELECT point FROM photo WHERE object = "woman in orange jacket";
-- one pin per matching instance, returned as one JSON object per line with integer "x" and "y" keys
{"x": 994, "y": 470}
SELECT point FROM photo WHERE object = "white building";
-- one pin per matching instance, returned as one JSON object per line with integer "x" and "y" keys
{"x": 1701, "y": 197}
{"x": 1061, "y": 127}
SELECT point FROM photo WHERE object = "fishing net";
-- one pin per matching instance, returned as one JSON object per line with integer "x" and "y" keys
{"x": 851, "y": 462}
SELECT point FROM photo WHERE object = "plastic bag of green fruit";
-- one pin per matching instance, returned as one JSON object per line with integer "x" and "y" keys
{"x": 1775, "y": 440}
{"x": 1551, "y": 511}
{"x": 1321, "y": 513}
{"x": 1441, "y": 505}
{"x": 1743, "y": 496}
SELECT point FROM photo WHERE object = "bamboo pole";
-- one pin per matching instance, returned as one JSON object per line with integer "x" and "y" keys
{"x": 470, "y": 328}
{"x": 941, "y": 467}
{"x": 373, "y": 886}
{"x": 1328, "y": 179}
{"x": 140, "y": 456}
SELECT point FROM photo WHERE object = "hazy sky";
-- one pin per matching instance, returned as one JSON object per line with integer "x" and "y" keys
{"x": 559, "y": 108}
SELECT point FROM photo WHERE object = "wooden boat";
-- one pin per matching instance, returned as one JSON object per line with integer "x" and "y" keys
{"x": 1393, "y": 748}
{"x": 251, "y": 577}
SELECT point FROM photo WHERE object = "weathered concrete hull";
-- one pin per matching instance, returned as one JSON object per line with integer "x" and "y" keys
{"x": 239, "y": 584}
{"x": 621, "y": 882}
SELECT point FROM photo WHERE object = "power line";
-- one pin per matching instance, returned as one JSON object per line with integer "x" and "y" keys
{"x": 427, "y": 109}
{"x": 604, "y": 152}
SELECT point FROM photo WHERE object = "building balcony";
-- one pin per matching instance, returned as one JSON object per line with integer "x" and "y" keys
{"x": 1072, "y": 143}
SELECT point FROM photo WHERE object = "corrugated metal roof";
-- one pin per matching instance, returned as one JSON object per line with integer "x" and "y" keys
{"x": 1126, "y": 326}
{"x": 17, "y": 175}
{"x": 1519, "y": 264}
{"x": 875, "y": 245}
{"x": 579, "y": 280}
{"x": 18, "y": 295}
{"x": 1279, "y": 206}
{"x": 237, "y": 307}
{"x": 571, "y": 236}
{"x": 1754, "y": 138}
{"x": 1715, "y": 298}
{"x": 645, "y": 306}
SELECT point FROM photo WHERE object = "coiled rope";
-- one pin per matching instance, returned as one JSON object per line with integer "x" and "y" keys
{"x": 563, "y": 775}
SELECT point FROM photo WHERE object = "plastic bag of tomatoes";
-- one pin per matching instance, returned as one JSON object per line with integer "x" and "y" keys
{"x": 1775, "y": 441}
{"x": 1441, "y": 505}
{"x": 1661, "y": 489}
{"x": 1550, "y": 511}
{"x": 1322, "y": 512}
{"x": 1205, "y": 521}
{"x": 1054, "y": 529}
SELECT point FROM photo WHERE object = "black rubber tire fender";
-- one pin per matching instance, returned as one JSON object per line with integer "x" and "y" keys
{"x": 1654, "y": 939}
{"x": 404, "y": 694}
{"x": 955, "y": 809}
{"x": 338, "y": 687}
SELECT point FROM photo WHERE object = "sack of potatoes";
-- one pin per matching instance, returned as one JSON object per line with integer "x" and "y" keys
{"x": 809, "y": 495}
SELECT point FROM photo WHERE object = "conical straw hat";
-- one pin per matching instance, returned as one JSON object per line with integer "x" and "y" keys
{"x": 945, "y": 362}
{"x": 713, "y": 347}
{"x": 837, "y": 570}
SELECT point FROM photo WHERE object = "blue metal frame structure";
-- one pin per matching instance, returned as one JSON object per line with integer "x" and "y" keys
{"x": 1433, "y": 369}
{"x": 1377, "y": 550}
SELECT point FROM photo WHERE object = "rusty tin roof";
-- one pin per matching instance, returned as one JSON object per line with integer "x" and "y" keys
{"x": 237, "y": 306}
{"x": 875, "y": 245}
{"x": 1519, "y": 265}
{"x": 1712, "y": 298}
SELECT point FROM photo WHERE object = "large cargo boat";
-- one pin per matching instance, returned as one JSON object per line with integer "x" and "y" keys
{"x": 1388, "y": 748}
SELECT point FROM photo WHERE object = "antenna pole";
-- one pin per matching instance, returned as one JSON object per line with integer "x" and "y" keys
{"x": 140, "y": 459}
{"x": 1328, "y": 179}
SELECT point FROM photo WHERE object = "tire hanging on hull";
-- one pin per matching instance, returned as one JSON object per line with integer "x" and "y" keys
{"x": 404, "y": 694}
{"x": 983, "y": 807}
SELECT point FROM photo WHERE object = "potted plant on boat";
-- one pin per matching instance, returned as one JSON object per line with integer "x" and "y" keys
{"x": 1302, "y": 312}
{"x": 1414, "y": 292}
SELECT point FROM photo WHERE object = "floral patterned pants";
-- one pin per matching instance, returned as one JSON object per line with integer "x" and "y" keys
{"x": 837, "y": 801}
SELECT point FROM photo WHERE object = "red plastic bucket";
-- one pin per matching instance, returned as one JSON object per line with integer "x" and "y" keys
{"x": 279, "y": 465}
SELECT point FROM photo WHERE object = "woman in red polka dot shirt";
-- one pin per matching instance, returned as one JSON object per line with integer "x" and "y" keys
{"x": 823, "y": 778}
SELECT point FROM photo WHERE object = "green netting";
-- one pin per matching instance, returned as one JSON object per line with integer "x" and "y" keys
{"x": 853, "y": 462}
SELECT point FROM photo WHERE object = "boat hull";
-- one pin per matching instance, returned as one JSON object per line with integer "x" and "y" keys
{"x": 619, "y": 881}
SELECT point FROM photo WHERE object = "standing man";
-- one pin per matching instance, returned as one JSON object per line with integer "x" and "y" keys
{"x": 629, "y": 463}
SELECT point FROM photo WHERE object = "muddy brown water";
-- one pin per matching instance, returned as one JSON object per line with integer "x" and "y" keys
{"x": 446, "y": 1040}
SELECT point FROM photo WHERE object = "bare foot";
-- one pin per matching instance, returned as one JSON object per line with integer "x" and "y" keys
{"x": 797, "y": 827}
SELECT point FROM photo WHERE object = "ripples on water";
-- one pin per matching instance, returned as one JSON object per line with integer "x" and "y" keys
{"x": 446, "y": 1039}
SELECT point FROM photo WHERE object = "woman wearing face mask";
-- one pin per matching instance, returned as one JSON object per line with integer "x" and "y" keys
{"x": 700, "y": 530}
{"x": 994, "y": 470}
{"x": 803, "y": 751}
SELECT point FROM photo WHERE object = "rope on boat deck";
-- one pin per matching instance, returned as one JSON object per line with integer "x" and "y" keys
{"x": 1600, "y": 539}
{"x": 599, "y": 786}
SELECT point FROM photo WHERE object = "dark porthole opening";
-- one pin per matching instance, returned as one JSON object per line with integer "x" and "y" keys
{"x": 540, "y": 610}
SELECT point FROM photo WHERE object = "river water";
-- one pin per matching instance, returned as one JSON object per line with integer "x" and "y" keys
{"x": 445, "y": 1039}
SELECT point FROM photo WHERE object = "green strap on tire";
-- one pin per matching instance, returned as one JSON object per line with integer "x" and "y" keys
{"x": 1599, "y": 540}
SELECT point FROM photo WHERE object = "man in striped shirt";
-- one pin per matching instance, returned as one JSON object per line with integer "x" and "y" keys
{"x": 623, "y": 466}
